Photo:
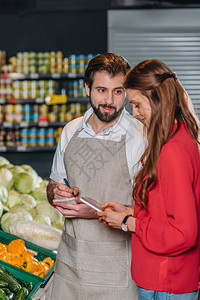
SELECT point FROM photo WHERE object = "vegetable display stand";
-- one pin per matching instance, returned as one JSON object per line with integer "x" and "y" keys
{"x": 24, "y": 277}
{"x": 39, "y": 252}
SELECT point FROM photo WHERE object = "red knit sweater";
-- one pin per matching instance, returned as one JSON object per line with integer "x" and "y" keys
{"x": 166, "y": 243}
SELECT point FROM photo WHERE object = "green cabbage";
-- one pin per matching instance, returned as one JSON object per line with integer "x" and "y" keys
{"x": 39, "y": 194}
{"x": 6, "y": 178}
{"x": 13, "y": 215}
{"x": 42, "y": 219}
{"x": 24, "y": 183}
{"x": 4, "y": 161}
{"x": 36, "y": 178}
{"x": 1, "y": 208}
{"x": 24, "y": 207}
{"x": 15, "y": 170}
{"x": 3, "y": 193}
{"x": 58, "y": 225}
{"x": 27, "y": 200}
{"x": 44, "y": 184}
{"x": 13, "y": 198}
{"x": 44, "y": 208}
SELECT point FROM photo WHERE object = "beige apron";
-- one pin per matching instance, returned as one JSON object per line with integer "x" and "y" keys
{"x": 93, "y": 261}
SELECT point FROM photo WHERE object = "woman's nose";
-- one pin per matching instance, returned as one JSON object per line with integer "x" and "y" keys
{"x": 135, "y": 113}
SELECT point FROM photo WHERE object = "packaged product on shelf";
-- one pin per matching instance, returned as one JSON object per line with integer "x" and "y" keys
{"x": 26, "y": 112}
{"x": 24, "y": 137}
{"x": 41, "y": 137}
{"x": 16, "y": 89}
{"x": 18, "y": 113}
{"x": 80, "y": 63}
{"x": 2, "y": 58}
{"x": 9, "y": 113}
{"x": 17, "y": 137}
{"x": 2, "y": 136}
{"x": 35, "y": 113}
{"x": 10, "y": 138}
{"x": 72, "y": 63}
{"x": 33, "y": 89}
{"x": 49, "y": 137}
{"x": 43, "y": 110}
{"x": 5, "y": 88}
{"x": 65, "y": 65}
{"x": 1, "y": 113}
{"x": 57, "y": 134}
{"x": 32, "y": 136}
{"x": 61, "y": 113}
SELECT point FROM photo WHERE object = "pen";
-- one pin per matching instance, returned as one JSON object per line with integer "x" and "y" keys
{"x": 67, "y": 184}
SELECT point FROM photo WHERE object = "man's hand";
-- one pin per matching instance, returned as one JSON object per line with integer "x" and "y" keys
{"x": 63, "y": 191}
{"x": 79, "y": 210}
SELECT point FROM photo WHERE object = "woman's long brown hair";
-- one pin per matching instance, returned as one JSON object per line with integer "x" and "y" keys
{"x": 169, "y": 102}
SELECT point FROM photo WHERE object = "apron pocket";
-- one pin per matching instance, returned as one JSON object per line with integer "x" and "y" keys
{"x": 94, "y": 263}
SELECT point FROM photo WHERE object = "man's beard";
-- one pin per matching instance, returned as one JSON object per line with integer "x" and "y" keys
{"x": 105, "y": 117}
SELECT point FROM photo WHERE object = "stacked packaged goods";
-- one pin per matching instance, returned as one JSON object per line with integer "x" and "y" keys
{"x": 2, "y": 58}
{"x": 30, "y": 89}
{"x": 45, "y": 62}
{"x": 6, "y": 88}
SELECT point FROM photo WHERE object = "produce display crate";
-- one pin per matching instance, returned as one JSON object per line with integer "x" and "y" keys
{"x": 40, "y": 254}
{"x": 23, "y": 276}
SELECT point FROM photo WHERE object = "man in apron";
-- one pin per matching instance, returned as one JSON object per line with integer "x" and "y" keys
{"x": 98, "y": 154}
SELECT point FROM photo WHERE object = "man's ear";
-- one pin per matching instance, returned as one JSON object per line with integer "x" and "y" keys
{"x": 87, "y": 89}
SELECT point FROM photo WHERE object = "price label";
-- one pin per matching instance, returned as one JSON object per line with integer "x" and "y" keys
{"x": 7, "y": 124}
{"x": 56, "y": 75}
{"x": 3, "y": 148}
{"x": 39, "y": 100}
{"x": 21, "y": 148}
{"x": 23, "y": 124}
{"x": 34, "y": 76}
{"x": 2, "y": 101}
{"x": 72, "y": 75}
{"x": 43, "y": 124}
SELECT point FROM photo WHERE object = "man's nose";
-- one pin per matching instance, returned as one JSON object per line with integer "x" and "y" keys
{"x": 109, "y": 98}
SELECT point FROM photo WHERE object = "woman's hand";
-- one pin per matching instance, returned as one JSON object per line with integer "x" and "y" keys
{"x": 114, "y": 213}
{"x": 111, "y": 218}
{"x": 116, "y": 206}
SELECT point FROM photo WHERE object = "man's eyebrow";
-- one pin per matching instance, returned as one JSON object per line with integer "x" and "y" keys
{"x": 116, "y": 88}
{"x": 100, "y": 87}
{"x": 120, "y": 87}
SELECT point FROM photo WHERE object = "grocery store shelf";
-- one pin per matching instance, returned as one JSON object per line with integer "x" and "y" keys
{"x": 83, "y": 100}
{"x": 27, "y": 148}
{"x": 35, "y": 76}
{"x": 24, "y": 124}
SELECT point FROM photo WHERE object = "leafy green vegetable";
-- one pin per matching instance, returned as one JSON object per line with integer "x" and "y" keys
{"x": 13, "y": 198}
{"x": 6, "y": 178}
{"x": 39, "y": 194}
{"x": 44, "y": 208}
{"x": 42, "y": 219}
{"x": 3, "y": 193}
{"x": 13, "y": 215}
{"x": 24, "y": 183}
{"x": 4, "y": 161}
{"x": 27, "y": 200}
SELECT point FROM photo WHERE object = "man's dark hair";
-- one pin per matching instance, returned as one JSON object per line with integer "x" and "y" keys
{"x": 112, "y": 63}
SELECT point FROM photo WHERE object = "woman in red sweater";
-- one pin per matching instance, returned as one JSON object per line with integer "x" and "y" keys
{"x": 165, "y": 221}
